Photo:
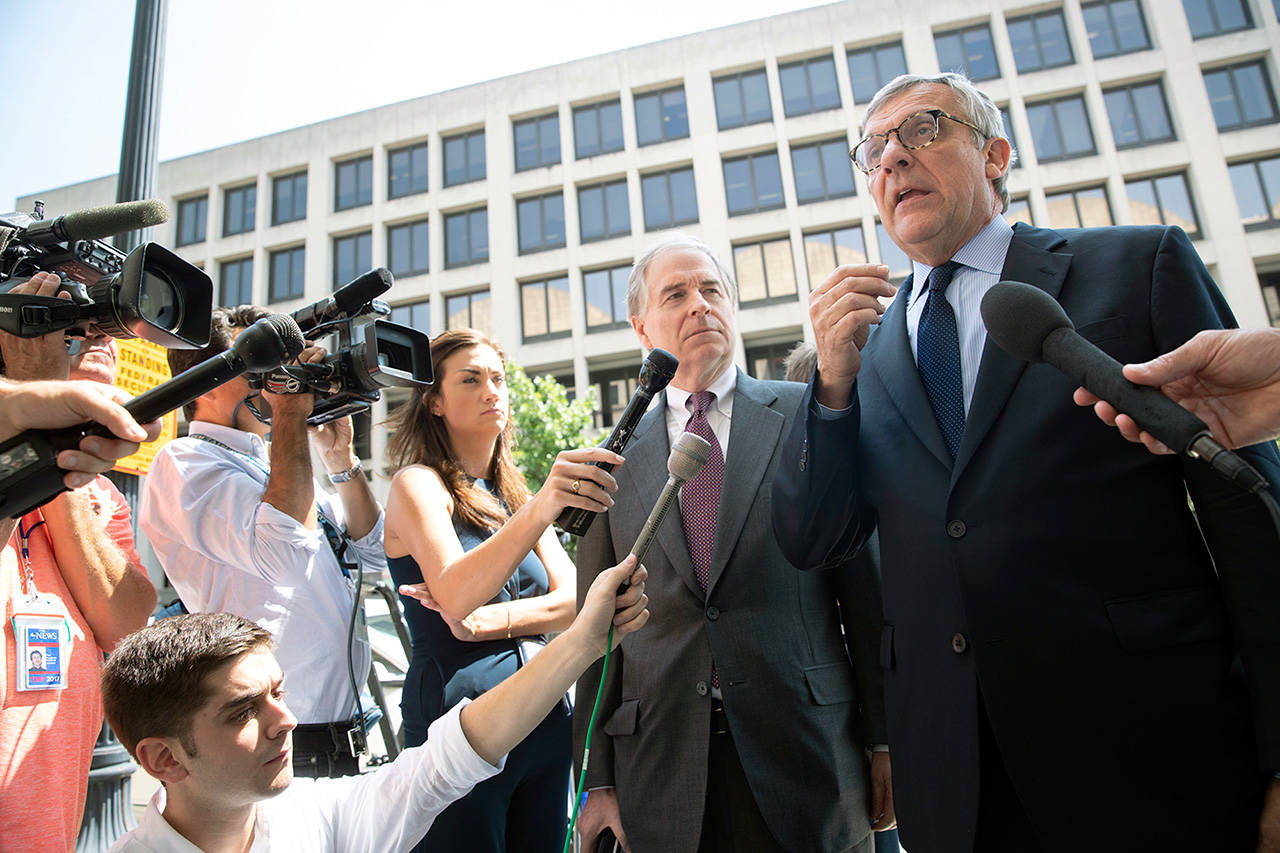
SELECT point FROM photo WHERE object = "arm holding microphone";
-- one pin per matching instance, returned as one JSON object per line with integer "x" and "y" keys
{"x": 1229, "y": 378}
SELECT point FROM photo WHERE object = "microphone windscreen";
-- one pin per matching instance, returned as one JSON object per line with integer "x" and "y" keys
{"x": 99, "y": 222}
{"x": 658, "y": 369}
{"x": 1019, "y": 317}
{"x": 688, "y": 455}
{"x": 268, "y": 343}
{"x": 366, "y": 288}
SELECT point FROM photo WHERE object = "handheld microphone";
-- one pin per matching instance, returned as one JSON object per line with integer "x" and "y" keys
{"x": 29, "y": 474}
{"x": 656, "y": 371}
{"x": 97, "y": 222}
{"x": 345, "y": 301}
{"x": 688, "y": 455}
{"x": 1029, "y": 324}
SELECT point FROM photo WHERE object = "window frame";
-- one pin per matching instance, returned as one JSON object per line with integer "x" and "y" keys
{"x": 874, "y": 51}
{"x": 1075, "y": 201}
{"x": 354, "y": 237}
{"x": 666, "y": 174}
{"x": 1268, "y": 90}
{"x": 414, "y": 268}
{"x": 276, "y": 182}
{"x": 1108, "y": 6}
{"x": 769, "y": 298}
{"x": 360, "y": 191}
{"x": 469, "y": 213}
{"x": 960, "y": 33}
{"x": 248, "y": 212}
{"x": 1033, "y": 19}
{"x": 1128, "y": 89}
{"x": 1195, "y": 233}
{"x": 737, "y": 78}
{"x": 1212, "y": 8}
{"x": 817, "y": 145}
{"x": 470, "y": 296}
{"x": 539, "y": 122}
{"x": 587, "y": 304}
{"x": 545, "y": 283}
{"x": 1271, "y": 205}
{"x": 239, "y": 265}
{"x": 808, "y": 65}
{"x": 201, "y": 203}
{"x": 411, "y": 307}
{"x": 660, "y": 95}
{"x": 596, "y": 108}
{"x": 543, "y": 246}
{"x": 409, "y": 151}
{"x": 603, "y": 187}
{"x": 466, "y": 137}
{"x": 751, "y": 160}
{"x": 297, "y": 269}
{"x": 1054, "y": 103}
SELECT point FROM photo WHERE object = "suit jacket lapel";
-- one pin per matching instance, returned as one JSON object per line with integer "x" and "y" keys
{"x": 647, "y": 465}
{"x": 889, "y": 354}
{"x": 753, "y": 435}
{"x": 1031, "y": 259}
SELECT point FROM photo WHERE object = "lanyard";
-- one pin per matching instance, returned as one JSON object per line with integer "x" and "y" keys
{"x": 28, "y": 577}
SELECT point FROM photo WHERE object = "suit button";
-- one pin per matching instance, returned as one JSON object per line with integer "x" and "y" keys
{"x": 713, "y": 613}
{"x": 956, "y": 528}
{"x": 959, "y": 643}
{"x": 701, "y": 688}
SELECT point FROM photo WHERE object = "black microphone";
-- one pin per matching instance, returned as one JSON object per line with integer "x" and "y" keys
{"x": 346, "y": 300}
{"x": 29, "y": 474}
{"x": 96, "y": 223}
{"x": 655, "y": 373}
{"x": 1029, "y": 324}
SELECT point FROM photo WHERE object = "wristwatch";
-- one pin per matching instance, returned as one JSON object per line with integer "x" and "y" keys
{"x": 349, "y": 474}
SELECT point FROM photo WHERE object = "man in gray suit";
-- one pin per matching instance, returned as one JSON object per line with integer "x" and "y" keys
{"x": 737, "y": 722}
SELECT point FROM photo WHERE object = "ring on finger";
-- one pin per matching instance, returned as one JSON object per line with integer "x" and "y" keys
{"x": 575, "y": 485}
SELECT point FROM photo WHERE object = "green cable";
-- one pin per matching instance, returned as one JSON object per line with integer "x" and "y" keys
{"x": 586, "y": 747}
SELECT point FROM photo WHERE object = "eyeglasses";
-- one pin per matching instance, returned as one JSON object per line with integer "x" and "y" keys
{"x": 916, "y": 131}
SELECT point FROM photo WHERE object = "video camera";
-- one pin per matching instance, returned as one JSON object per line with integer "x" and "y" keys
{"x": 150, "y": 293}
{"x": 370, "y": 355}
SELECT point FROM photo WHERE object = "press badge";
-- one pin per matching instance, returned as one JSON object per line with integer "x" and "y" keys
{"x": 42, "y": 646}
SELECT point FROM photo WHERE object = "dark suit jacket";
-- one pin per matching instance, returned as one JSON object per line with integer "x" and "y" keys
{"x": 790, "y": 693}
{"x": 1096, "y": 630}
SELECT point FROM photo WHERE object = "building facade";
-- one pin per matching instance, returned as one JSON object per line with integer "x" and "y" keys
{"x": 517, "y": 205}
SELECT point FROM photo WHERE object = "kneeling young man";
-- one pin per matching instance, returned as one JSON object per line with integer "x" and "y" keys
{"x": 198, "y": 701}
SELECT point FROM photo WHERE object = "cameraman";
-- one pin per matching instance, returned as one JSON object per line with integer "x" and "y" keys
{"x": 240, "y": 526}
{"x": 68, "y": 567}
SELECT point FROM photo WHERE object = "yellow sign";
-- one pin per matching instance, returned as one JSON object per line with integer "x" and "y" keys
{"x": 140, "y": 367}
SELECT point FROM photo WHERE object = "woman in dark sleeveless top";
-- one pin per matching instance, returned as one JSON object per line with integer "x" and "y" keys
{"x": 483, "y": 578}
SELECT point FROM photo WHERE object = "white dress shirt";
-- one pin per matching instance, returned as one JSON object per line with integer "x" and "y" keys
{"x": 389, "y": 809}
{"x": 223, "y": 549}
{"x": 719, "y": 415}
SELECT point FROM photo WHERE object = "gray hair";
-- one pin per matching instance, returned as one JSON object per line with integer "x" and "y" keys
{"x": 672, "y": 241}
{"x": 981, "y": 110}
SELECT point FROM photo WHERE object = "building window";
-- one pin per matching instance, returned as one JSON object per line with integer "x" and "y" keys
{"x": 464, "y": 158}
{"x": 809, "y": 86}
{"x": 407, "y": 247}
{"x": 407, "y": 171}
{"x": 192, "y": 220}
{"x": 237, "y": 282}
{"x": 1019, "y": 211}
{"x": 1257, "y": 187}
{"x": 1270, "y": 282}
{"x": 891, "y": 256}
{"x": 969, "y": 51}
{"x": 753, "y": 183}
{"x": 1087, "y": 208}
{"x": 872, "y": 67}
{"x": 541, "y": 222}
{"x": 352, "y": 255}
{"x": 769, "y": 361}
{"x": 1214, "y": 17}
{"x": 544, "y": 308}
{"x": 1138, "y": 114}
{"x": 603, "y": 211}
{"x": 415, "y": 315}
{"x": 742, "y": 99}
{"x": 606, "y": 297}
{"x": 764, "y": 270}
{"x": 822, "y": 170}
{"x": 353, "y": 183}
{"x": 469, "y": 311}
{"x": 1115, "y": 27}
{"x": 597, "y": 129}
{"x": 537, "y": 141}
{"x": 1060, "y": 129}
{"x": 826, "y": 250}
{"x": 1040, "y": 41}
{"x": 1240, "y": 95}
{"x": 289, "y": 198}
{"x": 1007, "y": 121}
{"x": 614, "y": 389}
{"x": 661, "y": 116}
{"x": 669, "y": 198}
{"x": 1163, "y": 200}
{"x": 288, "y": 274}
{"x": 238, "y": 208}
{"x": 466, "y": 237}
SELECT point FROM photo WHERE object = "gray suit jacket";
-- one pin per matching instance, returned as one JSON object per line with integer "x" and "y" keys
{"x": 800, "y": 713}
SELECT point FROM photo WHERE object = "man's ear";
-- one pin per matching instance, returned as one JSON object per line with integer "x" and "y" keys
{"x": 998, "y": 156}
{"x": 637, "y": 323}
{"x": 163, "y": 758}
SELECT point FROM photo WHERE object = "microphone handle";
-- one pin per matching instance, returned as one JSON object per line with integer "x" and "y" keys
{"x": 666, "y": 498}
{"x": 185, "y": 387}
{"x": 577, "y": 520}
{"x": 1101, "y": 374}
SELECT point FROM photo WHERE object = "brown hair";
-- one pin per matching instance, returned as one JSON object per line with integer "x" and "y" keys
{"x": 154, "y": 681}
{"x": 421, "y": 438}
{"x": 225, "y": 324}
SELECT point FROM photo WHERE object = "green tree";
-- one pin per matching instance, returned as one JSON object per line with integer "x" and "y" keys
{"x": 546, "y": 423}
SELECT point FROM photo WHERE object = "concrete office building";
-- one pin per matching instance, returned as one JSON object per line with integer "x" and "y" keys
{"x": 517, "y": 205}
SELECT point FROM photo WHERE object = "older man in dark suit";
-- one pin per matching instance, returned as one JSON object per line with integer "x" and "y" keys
{"x": 1068, "y": 666}
{"x": 737, "y": 722}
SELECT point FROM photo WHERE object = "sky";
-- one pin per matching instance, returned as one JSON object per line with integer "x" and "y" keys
{"x": 238, "y": 69}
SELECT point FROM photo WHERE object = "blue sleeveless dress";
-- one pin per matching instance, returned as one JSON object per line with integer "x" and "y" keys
{"x": 523, "y": 807}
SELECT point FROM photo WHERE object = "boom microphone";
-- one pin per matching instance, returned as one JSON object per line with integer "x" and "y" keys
{"x": 688, "y": 455}
{"x": 29, "y": 474}
{"x": 346, "y": 301}
{"x": 655, "y": 374}
{"x": 1029, "y": 324}
{"x": 97, "y": 222}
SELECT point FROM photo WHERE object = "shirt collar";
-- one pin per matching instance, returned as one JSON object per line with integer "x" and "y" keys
{"x": 678, "y": 398}
{"x": 985, "y": 252}
{"x": 248, "y": 443}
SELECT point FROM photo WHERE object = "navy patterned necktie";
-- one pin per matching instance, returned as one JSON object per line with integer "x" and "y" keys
{"x": 700, "y": 497}
{"x": 938, "y": 357}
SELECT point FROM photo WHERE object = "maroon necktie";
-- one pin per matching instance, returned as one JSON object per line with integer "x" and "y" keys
{"x": 700, "y": 497}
